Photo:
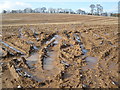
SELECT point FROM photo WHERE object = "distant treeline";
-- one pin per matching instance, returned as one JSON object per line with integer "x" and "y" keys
{"x": 45, "y": 10}
{"x": 95, "y": 10}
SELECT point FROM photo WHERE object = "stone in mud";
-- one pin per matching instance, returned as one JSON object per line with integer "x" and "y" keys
{"x": 19, "y": 86}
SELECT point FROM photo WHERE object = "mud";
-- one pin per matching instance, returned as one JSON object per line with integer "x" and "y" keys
{"x": 60, "y": 56}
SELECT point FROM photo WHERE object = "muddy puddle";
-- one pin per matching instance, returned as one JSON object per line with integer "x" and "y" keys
{"x": 91, "y": 63}
{"x": 48, "y": 61}
{"x": 51, "y": 52}
{"x": 8, "y": 46}
{"x": 32, "y": 60}
{"x": 77, "y": 38}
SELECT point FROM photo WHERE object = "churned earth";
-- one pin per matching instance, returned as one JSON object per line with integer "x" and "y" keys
{"x": 65, "y": 55}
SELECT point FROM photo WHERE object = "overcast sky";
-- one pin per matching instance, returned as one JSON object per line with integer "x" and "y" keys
{"x": 108, "y": 5}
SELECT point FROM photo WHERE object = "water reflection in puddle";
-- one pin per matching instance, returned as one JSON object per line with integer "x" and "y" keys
{"x": 30, "y": 75}
{"x": 113, "y": 66}
{"x": 91, "y": 62}
{"x": 56, "y": 39}
{"x": 32, "y": 60}
{"x": 33, "y": 57}
{"x": 77, "y": 38}
{"x": 52, "y": 54}
{"x": 18, "y": 51}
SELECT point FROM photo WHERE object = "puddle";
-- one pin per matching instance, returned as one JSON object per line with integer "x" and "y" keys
{"x": 32, "y": 60}
{"x": 29, "y": 42}
{"x": 31, "y": 64}
{"x": 66, "y": 75}
{"x": 66, "y": 46}
{"x": 96, "y": 35}
{"x": 47, "y": 63}
{"x": 91, "y": 63}
{"x": 20, "y": 33}
{"x": 49, "y": 67}
{"x": 30, "y": 75}
{"x": 12, "y": 48}
{"x": 84, "y": 51}
{"x": 113, "y": 66}
{"x": 65, "y": 63}
{"x": 33, "y": 57}
{"x": 52, "y": 53}
{"x": 107, "y": 34}
{"x": 35, "y": 34}
{"x": 77, "y": 38}
{"x": 55, "y": 39}
{"x": 33, "y": 49}
{"x": 91, "y": 59}
{"x": 25, "y": 73}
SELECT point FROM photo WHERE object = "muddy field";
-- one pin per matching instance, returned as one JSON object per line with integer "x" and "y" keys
{"x": 64, "y": 55}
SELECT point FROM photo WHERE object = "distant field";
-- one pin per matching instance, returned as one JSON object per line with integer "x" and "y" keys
{"x": 35, "y": 18}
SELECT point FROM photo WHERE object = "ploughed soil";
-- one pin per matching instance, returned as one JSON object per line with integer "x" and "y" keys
{"x": 38, "y": 18}
{"x": 60, "y": 56}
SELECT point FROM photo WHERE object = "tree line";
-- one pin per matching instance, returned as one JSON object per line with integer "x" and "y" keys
{"x": 45, "y": 10}
{"x": 95, "y": 10}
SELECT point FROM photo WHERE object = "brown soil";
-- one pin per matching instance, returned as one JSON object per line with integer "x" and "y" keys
{"x": 60, "y": 55}
{"x": 33, "y": 18}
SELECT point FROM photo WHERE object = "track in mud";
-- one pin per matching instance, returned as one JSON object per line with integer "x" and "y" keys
{"x": 56, "y": 59}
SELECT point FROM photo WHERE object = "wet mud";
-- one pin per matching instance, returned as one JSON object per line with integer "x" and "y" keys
{"x": 60, "y": 56}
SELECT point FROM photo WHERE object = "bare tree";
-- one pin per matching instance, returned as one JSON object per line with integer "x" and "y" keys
{"x": 19, "y": 11}
{"x": 99, "y": 9}
{"x": 66, "y": 11}
{"x": 92, "y": 6}
{"x": 60, "y": 10}
{"x": 51, "y": 10}
{"x": 37, "y": 10}
{"x": 14, "y": 11}
{"x": 4, "y": 11}
{"x": 43, "y": 9}
{"x": 54, "y": 10}
{"x": 28, "y": 10}
{"x": 79, "y": 11}
{"x": 70, "y": 11}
